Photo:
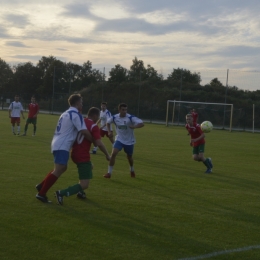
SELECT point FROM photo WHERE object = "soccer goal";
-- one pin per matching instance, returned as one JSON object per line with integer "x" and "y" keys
{"x": 219, "y": 114}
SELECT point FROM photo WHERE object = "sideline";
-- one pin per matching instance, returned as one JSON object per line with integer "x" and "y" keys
{"x": 242, "y": 249}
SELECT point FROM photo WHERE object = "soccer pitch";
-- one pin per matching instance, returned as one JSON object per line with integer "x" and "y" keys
{"x": 171, "y": 210}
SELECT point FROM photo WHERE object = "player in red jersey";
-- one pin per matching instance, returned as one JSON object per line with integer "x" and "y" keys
{"x": 195, "y": 115}
{"x": 80, "y": 156}
{"x": 198, "y": 142}
{"x": 33, "y": 109}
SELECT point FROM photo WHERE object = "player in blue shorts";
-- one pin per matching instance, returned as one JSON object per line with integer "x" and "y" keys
{"x": 125, "y": 125}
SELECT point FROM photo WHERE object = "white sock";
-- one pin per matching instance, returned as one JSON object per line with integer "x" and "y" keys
{"x": 18, "y": 129}
{"x": 132, "y": 168}
{"x": 110, "y": 169}
{"x": 95, "y": 148}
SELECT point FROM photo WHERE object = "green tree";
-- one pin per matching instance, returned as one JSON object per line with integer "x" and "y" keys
{"x": 88, "y": 75}
{"x": 6, "y": 77}
{"x": 137, "y": 70}
{"x": 72, "y": 74}
{"x": 45, "y": 63}
{"x": 152, "y": 74}
{"x": 27, "y": 78}
{"x": 216, "y": 83}
{"x": 118, "y": 74}
{"x": 185, "y": 75}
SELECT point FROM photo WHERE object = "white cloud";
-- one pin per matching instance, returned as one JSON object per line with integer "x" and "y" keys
{"x": 109, "y": 11}
{"x": 163, "y": 17}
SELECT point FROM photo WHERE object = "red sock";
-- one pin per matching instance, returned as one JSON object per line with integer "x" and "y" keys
{"x": 46, "y": 177}
{"x": 49, "y": 181}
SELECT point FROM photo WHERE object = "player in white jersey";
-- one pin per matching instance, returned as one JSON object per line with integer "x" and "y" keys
{"x": 125, "y": 125}
{"x": 104, "y": 116}
{"x": 70, "y": 123}
{"x": 15, "y": 109}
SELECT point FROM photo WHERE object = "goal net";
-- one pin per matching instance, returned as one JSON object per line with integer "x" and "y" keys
{"x": 219, "y": 114}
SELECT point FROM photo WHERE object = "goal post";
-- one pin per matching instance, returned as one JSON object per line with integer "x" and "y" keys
{"x": 217, "y": 113}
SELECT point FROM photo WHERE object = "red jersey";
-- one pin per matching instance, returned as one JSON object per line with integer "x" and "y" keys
{"x": 195, "y": 132}
{"x": 81, "y": 147}
{"x": 195, "y": 117}
{"x": 33, "y": 109}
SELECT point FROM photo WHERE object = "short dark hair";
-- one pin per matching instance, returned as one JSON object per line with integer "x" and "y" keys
{"x": 93, "y": 111}
{"x": 103, "y": 103}
{"x": 73, "y": 99}
{"x": 122, "y": 105}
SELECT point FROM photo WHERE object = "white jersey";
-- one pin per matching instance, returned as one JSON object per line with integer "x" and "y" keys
{"x": 104, "y": 116}
{"x": 69, "y": 124}
{"x": 16, "y": 108}
{"x": 125, "y": 134}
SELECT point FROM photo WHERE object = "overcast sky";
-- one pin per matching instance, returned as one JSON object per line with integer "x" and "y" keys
{"x": 192, "y": 34}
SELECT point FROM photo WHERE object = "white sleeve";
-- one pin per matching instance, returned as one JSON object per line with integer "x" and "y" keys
{"x": 110, "y": 120}
{"x": 136, "y": 120}
{"x": 10, "y": 107}
{"x": 78, "y": 121}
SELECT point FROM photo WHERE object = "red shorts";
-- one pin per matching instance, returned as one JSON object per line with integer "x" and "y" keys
{"x": 15, "y": 120}
{"x": 103, "y": 133}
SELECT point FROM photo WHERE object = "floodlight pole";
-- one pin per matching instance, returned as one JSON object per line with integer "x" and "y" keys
{"x": 253, "y": 118}
{"x": 103, "y": 84}
{"x": 70, "y": 82}
{"x": 53, "y": 85}
{"x": 139, "y": 93}
{"x": 180, "y": 98}
{"x": 225, "y": 101}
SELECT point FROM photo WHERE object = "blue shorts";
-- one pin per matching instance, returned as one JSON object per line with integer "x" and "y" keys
{"x": 61, "y": 157}
{"x": 129, "y": 149}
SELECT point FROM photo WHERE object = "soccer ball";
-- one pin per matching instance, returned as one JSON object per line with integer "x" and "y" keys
{"x": 206, "y": 126}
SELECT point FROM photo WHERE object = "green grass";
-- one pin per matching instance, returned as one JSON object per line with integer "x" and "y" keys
{"x": 171, "y": 210}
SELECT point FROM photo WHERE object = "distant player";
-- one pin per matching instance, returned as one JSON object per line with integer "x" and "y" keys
{"x": 80, "y": 156}
{"x": 15, "y": 109}
{"x": 104, "y": 116}
{"x": 125, "y": 125}
{"x": 195, "y": 116}
{"x": 198, "y": 142}
{"x": 33, "y": 110}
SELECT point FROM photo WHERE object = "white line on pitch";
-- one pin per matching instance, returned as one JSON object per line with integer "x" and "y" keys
{"x": 221, "y": 253}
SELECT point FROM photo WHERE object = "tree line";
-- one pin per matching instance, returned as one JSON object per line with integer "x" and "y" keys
{"x": 70, "y": 77}
{"x": 142, "y": 87}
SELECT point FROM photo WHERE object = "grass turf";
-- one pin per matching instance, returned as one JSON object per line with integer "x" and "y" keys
{"x": 171, "y": 210}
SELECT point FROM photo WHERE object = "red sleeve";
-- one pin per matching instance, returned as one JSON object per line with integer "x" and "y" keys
{"x": 199, "y": 129}
{"x": 96, "y": 132}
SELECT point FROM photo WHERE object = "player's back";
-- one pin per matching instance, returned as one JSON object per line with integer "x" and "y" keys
{"x": 81, "y": 146}
{"x": 70, "y": 122}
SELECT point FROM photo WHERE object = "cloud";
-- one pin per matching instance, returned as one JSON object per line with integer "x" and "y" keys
{"x": 15, "y": 20}
{"x": 3, "y": 32}
{"x": 77, "y": 10}
{"x": 16, "y": 44}
{"x": 167, "y": 34}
